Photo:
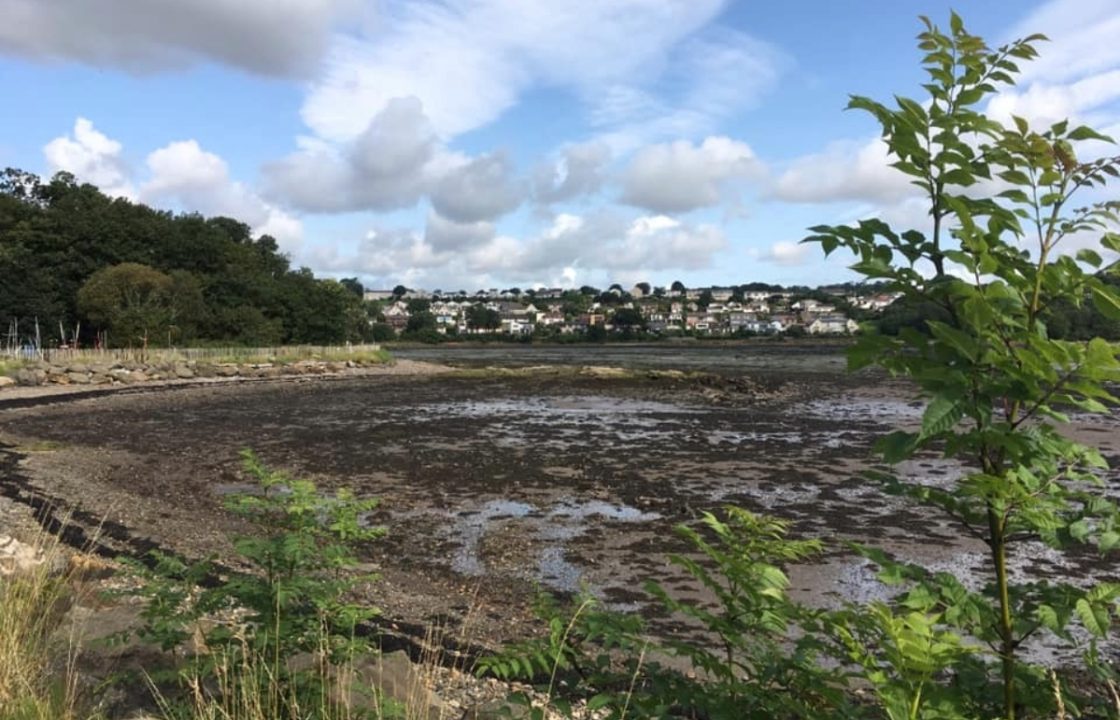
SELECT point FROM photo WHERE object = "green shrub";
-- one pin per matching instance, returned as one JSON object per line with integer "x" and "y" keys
{"x": 293, "y": 598}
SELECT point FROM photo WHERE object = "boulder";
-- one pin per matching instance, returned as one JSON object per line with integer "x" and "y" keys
{"x": 59, "y": 379}
{"x": 56, "y": 370}
{"x": 6, "y": 381}
{"x": 394, "y": 676}
{"x": 99, "y": 379}
{"x": 31, "y": 376}
{"x": 184, "y": 372}
{"x": 78, "y": 378}
{"x": 77, "y": 368}
{"x": 205, "y": 370}
{"x": 139, "y": 376}
{"x": 226, "y": 370}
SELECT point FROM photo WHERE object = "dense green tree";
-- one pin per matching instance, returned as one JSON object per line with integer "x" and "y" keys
{"x": 226, "y": 285}
{"x": 421, "y": 321}
{"x": 479, "y": 317}
{"x": 627, "y": 318}
{"x": 132, "y": 302}
{"x": 353, "y": 285}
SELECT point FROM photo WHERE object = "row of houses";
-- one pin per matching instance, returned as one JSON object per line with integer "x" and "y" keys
{"x": 755, "y": 316}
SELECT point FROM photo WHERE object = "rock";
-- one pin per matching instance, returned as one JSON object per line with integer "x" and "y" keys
{"x": 100, "y": 368}
{"x": 6, "y": 381}
{"x": 139, "y": 376}
{"x": 60, "y": 379}
{"x": 184, "y": 372}
{"x": 226, "y": 370}
{"x": 497, "y": 709}
{"x": 78, "y": 368}
{"x": 396, "y": 678}
{"x": 20, "y": 557}
{"x": 204, "y": 370}
{"x": 78, "y": 378}
{"x": 56, "y": 370}
{"x": 99, "y": 379}
{"x": 271, "y": 372}
{"x": 122, "y": 376}
{"x": 31, "y": 376}
{"x": 336, "y": 366}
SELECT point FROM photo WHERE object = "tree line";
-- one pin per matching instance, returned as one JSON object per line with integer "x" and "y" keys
{"x": 82, "y": 265}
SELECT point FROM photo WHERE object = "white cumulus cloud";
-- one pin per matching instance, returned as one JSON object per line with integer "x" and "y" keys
{"x": 181, "y": 173}
{"x": 679, "y": 176}
{"x": 92, "y": 157}
{"x": 846, "y": 170}
{"x": 384, "y": 168}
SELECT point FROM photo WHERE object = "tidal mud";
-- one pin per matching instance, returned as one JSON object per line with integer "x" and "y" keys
{"x": 493, "y": 487}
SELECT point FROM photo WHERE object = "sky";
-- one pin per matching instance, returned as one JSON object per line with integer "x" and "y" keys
{"x": 464, "y": 144}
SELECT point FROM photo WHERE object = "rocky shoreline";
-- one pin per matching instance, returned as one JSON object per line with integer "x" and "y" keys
{"x": 132, "y": 373}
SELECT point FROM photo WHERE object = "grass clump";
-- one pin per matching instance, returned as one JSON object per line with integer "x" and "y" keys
{"x": 38, "y": 680}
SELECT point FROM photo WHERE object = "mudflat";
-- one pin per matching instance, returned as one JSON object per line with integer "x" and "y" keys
{"x": 497, "y": 483}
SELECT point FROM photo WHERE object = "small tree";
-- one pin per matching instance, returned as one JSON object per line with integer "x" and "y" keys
{"x": 997, "y": 382}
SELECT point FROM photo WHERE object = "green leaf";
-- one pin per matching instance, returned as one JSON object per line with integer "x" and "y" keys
{"x": 1093, "y": 617}
{"x": 1106, "y": 300}
{"x": 897, "y": 446}
{"x": 1087, "y": 133}
{"x": 1090, "y": 257}
{"x": 940, "y": 416}
{"x": 1079, "y": 530}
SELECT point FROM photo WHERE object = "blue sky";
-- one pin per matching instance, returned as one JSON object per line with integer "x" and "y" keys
{"x": 490, "y": 143}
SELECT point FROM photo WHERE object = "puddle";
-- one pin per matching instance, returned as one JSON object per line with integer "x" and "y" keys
{"x": 550, "y": 527}
{"x": 861, "y": 409}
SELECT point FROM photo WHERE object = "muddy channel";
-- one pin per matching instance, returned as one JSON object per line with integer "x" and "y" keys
{"x": 495, "y": 485}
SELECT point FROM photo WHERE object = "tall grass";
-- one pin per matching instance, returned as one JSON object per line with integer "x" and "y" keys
{"x": 38, "y": 677}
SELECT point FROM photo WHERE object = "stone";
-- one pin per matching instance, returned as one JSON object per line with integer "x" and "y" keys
{"x": 78, "y": 378}
{"x": 205, "y": 370}
{"x": 397, "y": 678}
{"x": 99, "y": 379}
{"x": 226, "y": 371}
{"x": 20, "y": 557}
{"x": 77, "y": 368}
{"x": 31, "y": 376}
{"x": 6, "y": 381}
{"x": 184, "y": 372}
{"x": 497, "y": 709}
{"x": 60, "y": 379}
{"x": 56, "y": 370}
{"x": 139, "y": 376}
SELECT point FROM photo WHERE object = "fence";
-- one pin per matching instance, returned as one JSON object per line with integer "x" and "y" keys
{"x": 288, "y": 353}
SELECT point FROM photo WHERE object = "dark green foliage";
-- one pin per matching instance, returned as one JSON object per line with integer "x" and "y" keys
{"x": 479, "y": 317}
{"x": 294, "y": 595}
{"x": 227, "y": 286}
